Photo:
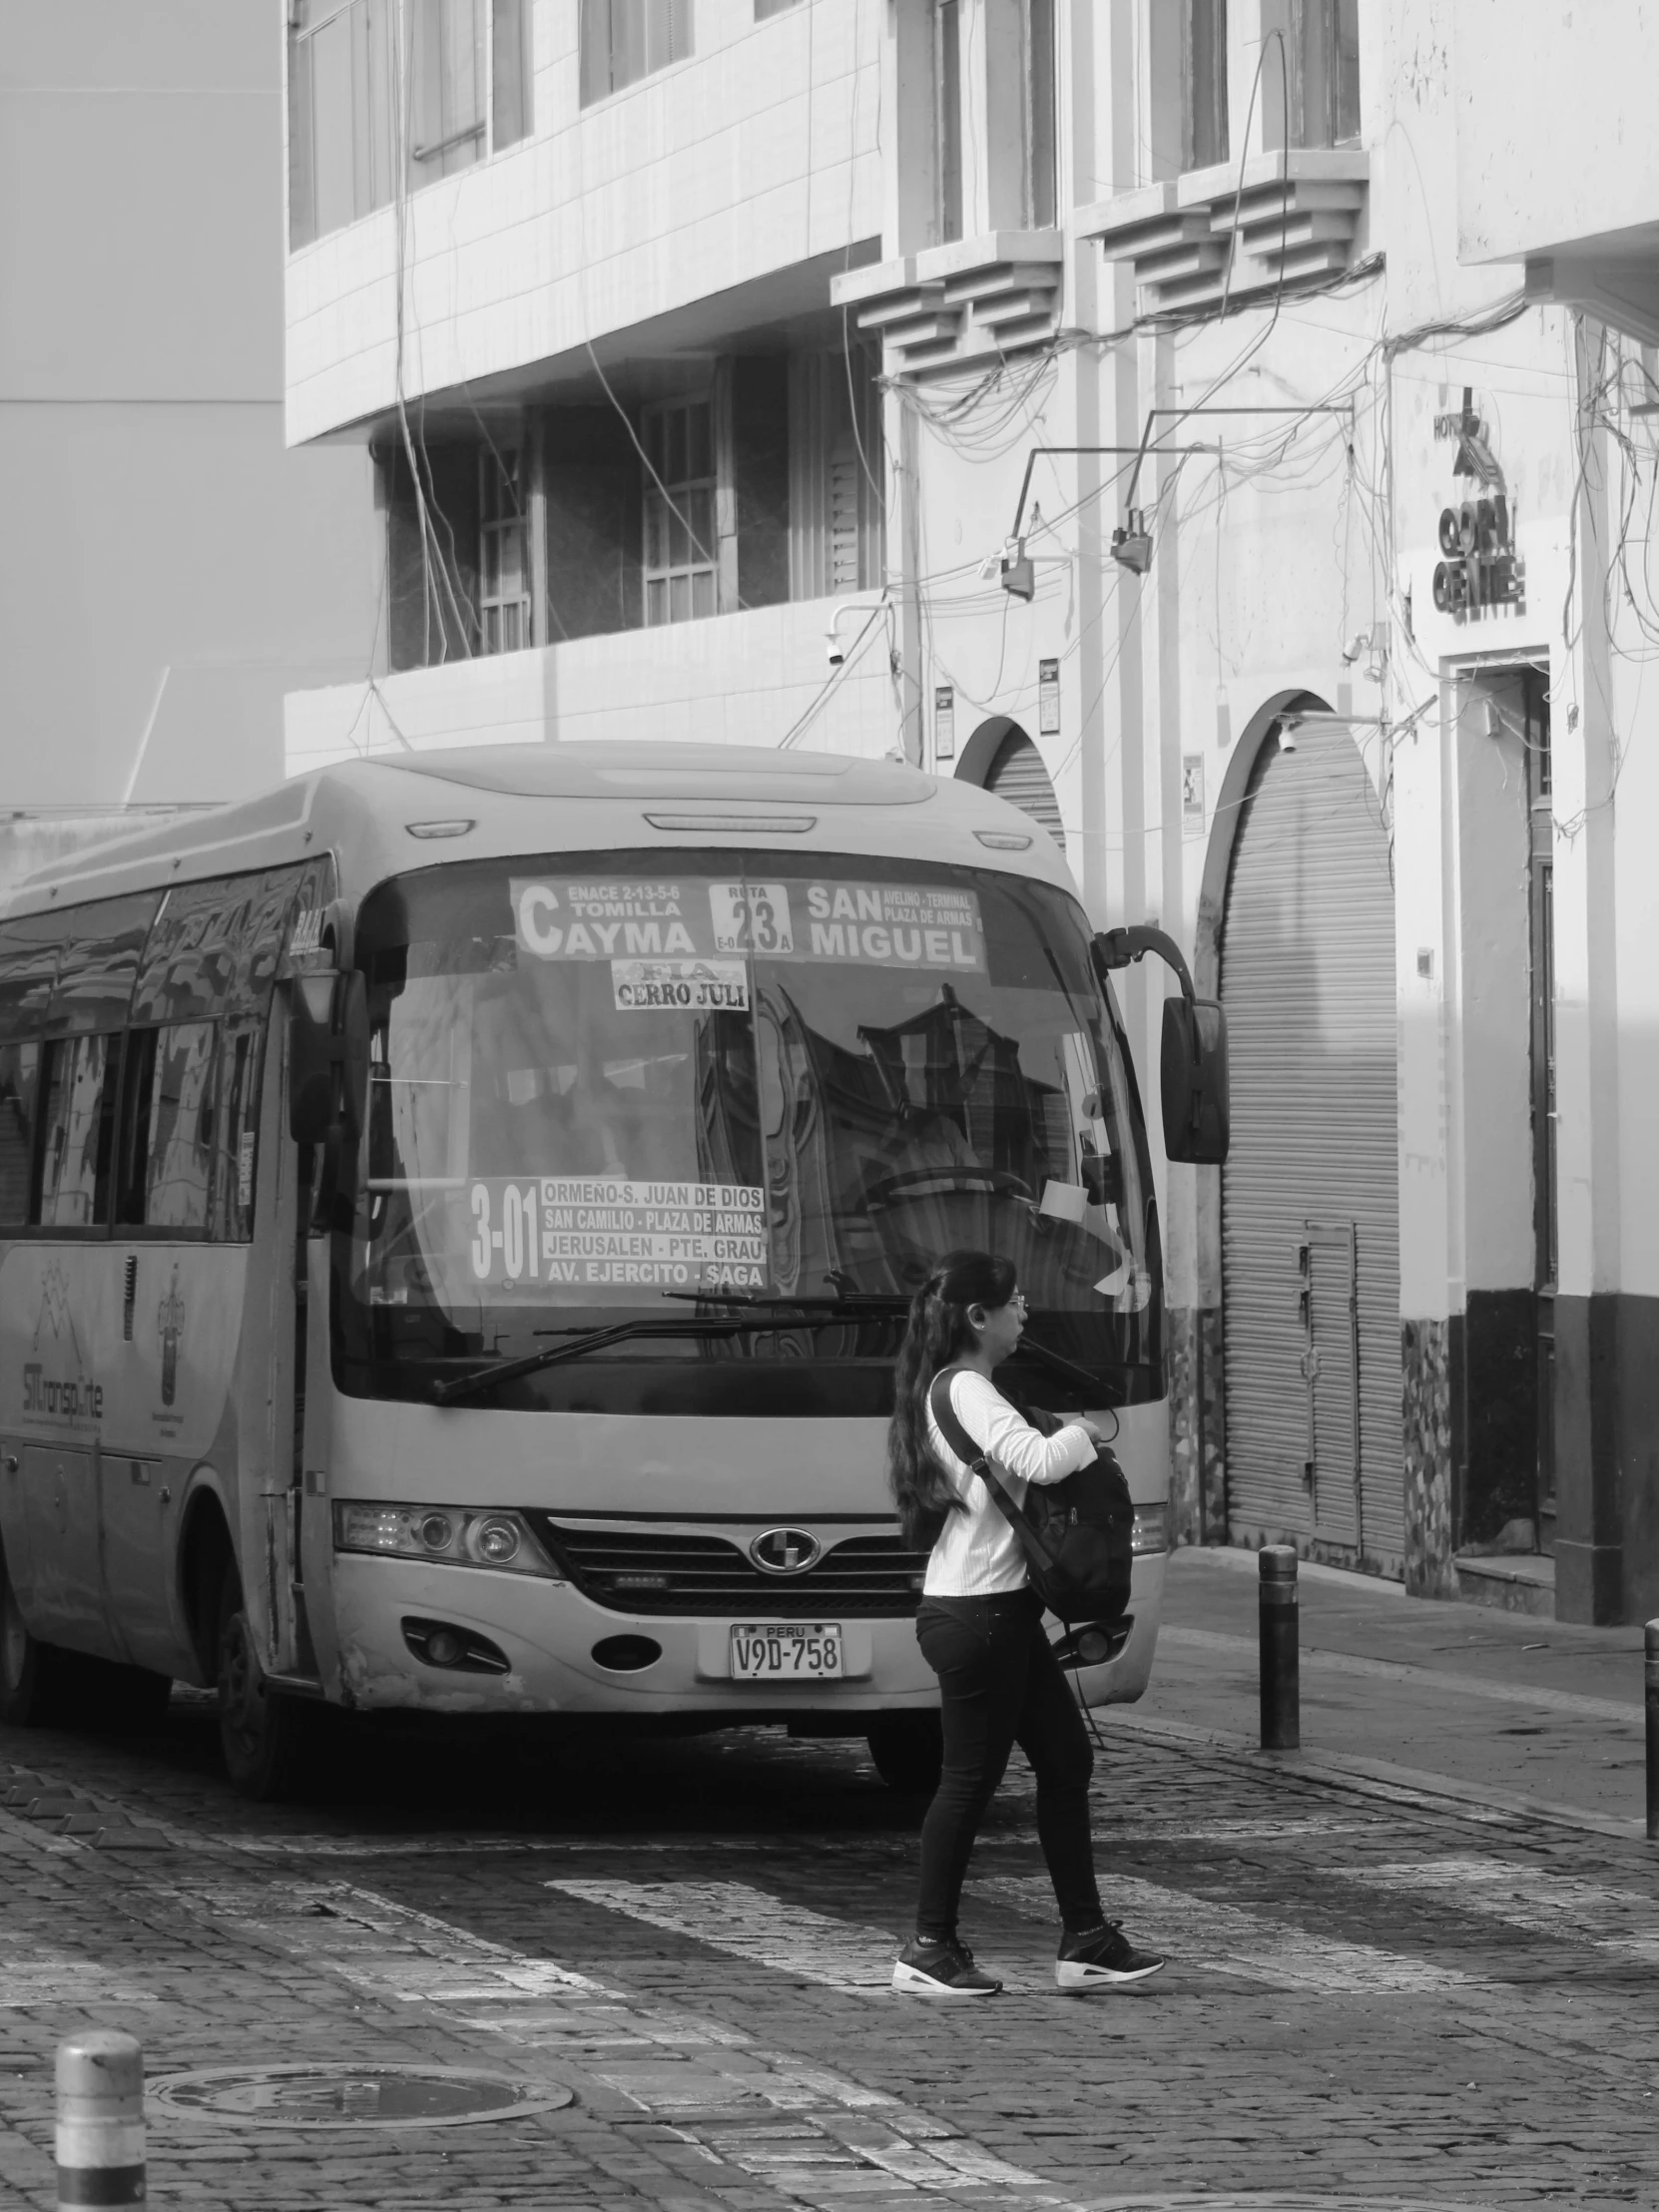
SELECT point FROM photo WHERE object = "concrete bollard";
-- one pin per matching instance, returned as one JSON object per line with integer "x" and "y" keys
{"x": 1650, "y": 1640}
{"x": 1281, "y": 1659}
{"x": 100, "y": 2119}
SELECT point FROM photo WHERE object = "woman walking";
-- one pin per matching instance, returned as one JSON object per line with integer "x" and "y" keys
{"x": 980, "y": 1629}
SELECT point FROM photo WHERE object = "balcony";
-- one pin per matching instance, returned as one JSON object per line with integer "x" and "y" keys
{"x": 710, "y": 197}
{"x": 961, "y": 306}
{"x": 1584, "y": 219}
{"x": 739, "y": 678}
{"x": 1292, "y": 219}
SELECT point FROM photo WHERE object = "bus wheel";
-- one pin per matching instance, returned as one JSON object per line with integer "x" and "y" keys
{"x": 908, "y": 1750}
{"x": 260, "y": 1735}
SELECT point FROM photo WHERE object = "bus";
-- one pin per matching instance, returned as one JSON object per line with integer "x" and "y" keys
{"x": 457, "y": 1213}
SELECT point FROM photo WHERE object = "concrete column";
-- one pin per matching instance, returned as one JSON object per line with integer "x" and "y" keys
{"x": 1426, "y": 930}
{"x": 1102, "y": 293}
{"x": 1588, "y": 1542}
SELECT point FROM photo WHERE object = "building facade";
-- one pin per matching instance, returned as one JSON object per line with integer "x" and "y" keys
{"x": 170, "y": 569}
{"x": 1141, "y": 407}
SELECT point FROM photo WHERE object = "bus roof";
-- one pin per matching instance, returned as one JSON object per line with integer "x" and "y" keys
{"x": 395, "y": 811}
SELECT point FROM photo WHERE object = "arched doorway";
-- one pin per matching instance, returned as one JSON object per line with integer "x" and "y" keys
{"x": 1002, "y": 759}
{"x": 1310, "y": 1190}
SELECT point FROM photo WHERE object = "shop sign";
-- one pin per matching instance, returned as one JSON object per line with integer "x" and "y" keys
{"x": 1480, "y": 569}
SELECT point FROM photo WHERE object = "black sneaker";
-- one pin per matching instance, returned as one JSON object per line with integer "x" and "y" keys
{"x": 944, "y": 1969}
{"x": 1100, "y": 1956}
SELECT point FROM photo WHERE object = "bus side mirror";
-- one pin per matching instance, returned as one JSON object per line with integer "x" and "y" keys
{"x": 327, "y": 1054}
{"x": 1193, "y": 1072}
{"x": 1192, "y": 1066}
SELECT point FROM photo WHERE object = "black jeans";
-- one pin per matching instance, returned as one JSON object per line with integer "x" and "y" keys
{"x": 1000, "y": 1684}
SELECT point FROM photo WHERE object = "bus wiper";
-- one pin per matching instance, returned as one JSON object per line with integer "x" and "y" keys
{"x": 851, "y": 1303}
{"x": 625, "y": 1331}
{"x": 1057, "y": 1365}
{"x": 590, "y": 1339}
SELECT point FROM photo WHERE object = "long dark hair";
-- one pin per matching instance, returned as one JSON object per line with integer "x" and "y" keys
{"x": 939, "y": 1332}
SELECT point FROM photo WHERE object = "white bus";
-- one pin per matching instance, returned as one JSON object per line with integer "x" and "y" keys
{"x": 456, "y": 1215}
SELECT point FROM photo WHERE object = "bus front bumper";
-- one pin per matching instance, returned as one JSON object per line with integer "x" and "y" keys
{"x": 548, "y": 1633}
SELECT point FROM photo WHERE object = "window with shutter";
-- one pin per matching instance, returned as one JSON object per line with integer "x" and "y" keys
{"x": 835, "y": 464}
{"x": 844, "y": 515}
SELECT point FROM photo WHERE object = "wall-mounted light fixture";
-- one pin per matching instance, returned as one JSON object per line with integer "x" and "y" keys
{"x": 1132, "y": 543}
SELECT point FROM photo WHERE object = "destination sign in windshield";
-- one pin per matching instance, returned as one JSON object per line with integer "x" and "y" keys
{"x": 613, "y": 1230}
{"x": 930, "y": 926}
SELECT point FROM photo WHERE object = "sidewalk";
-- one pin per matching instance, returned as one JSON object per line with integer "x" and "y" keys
{"x": 1493, "y": 1706}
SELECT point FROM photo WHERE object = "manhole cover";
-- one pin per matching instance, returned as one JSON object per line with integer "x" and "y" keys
{"x": 350, "y": 2096}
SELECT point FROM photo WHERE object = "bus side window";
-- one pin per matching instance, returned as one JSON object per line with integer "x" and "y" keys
{"x": 169, "y": 1133}
{"x": 76, "y": 1140}
{"x": 240, "y": 1065}
{"x": 19, "y": 1067}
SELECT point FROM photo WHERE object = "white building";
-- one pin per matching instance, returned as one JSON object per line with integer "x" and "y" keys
{"x": 169, "y": 568}
{"x": 686, "y": 332}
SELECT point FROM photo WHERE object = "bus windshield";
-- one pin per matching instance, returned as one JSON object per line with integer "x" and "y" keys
{"x": 597, "y": 1081}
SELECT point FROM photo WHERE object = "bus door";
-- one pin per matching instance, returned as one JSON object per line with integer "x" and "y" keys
{"x": 68, "y": 1386}
{"x": 65, "y": 1599}
{"x": 198, "y": 1353}
{"x": 279, "y": 1315}
{"x": 271, "y": 1384}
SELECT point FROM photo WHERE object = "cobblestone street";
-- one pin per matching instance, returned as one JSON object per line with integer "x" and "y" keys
{"x": 1372, "y": 1993}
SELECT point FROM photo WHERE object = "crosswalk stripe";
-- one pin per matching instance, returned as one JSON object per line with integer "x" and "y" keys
{"x": 812, "y": 2135}
{"x": 1544, "y": 1904}
{"x": 1227, "y": 1939}
{"x": 751, "y": 1924}
{"x": 52, "y": 1977}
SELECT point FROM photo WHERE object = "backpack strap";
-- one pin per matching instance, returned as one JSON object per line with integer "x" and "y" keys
{"x": 975, "y": 1460}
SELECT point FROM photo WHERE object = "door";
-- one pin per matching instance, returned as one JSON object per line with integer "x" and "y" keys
{"x": 139, "y": 1534}
{"x": 1309, "y": 1193}
{"x": 65, "y": 1601}
{"x": 1330, "y": 1372}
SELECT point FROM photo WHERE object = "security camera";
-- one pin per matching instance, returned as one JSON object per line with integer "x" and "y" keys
{"x": 1287, "y": 736}
{"x": 834, "y": 648}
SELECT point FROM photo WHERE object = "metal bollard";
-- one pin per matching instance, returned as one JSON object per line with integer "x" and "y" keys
{"x": 100, "y": 2119}
{"x": 1280, "y": 1679}
{"x": 1650, "y": 1640}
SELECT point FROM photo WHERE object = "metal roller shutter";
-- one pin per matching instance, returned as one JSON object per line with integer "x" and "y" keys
{"x": 1018, "y": 776}
{"x": 1311, "y": 1191}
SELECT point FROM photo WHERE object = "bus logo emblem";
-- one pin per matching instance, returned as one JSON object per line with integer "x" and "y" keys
{"x": 169, "y": 1325}
{"x": 784, "y": 1551}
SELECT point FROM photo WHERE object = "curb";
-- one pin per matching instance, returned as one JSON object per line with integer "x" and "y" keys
{"x": 1379, "y": 1778}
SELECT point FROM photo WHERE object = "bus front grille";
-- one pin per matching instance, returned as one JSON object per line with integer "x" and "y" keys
{"x": 658, "y": 1570}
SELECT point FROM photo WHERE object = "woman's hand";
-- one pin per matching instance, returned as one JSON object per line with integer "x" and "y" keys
{"x": 1095, "y": 1434}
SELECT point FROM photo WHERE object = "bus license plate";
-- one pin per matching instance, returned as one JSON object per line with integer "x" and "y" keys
{"x": 767, "y": 1651}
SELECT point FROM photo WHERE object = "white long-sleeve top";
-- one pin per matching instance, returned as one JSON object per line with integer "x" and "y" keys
{"x": 978, "y": 1554}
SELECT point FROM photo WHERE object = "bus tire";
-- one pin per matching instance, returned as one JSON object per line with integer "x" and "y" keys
{"x": 262, "y": 1736}
{"x": 29, "y": 1669}
{"x": 908, "y": 1750}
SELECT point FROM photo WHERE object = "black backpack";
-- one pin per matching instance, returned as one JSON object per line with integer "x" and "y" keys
{"x": 1077, "y": 1534}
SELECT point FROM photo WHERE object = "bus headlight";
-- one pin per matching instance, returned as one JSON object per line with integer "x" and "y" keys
{"x": 445, "y": 1535}
{"x": 1151, "y": 1532}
